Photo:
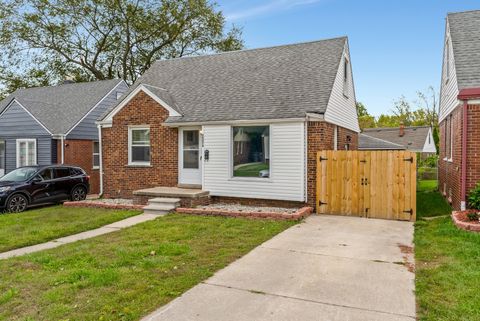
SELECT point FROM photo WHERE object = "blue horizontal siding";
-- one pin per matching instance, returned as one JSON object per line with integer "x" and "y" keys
{"x": 87, "y": 129}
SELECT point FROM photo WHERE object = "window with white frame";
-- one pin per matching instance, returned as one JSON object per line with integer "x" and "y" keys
{"x": 251, "y": 151}
{"x": 139, "y": 146}
{"x": 96, "y": 155}
{"x": 26, "y": 152}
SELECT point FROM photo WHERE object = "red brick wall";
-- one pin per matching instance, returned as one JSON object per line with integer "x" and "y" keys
{"x": 320, "y": 136}
{"x": 120, "y": 180}
{"x": 80, "y": 153}
{"x": 473, "y": 146}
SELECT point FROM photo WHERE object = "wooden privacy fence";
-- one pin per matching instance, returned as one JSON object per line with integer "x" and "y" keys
{"x": 375, "y": 184}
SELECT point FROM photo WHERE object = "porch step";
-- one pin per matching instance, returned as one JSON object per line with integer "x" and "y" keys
{"x": 161, "y": 205}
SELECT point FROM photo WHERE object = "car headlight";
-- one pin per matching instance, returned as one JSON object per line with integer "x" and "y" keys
{"x": 5, "y": 189}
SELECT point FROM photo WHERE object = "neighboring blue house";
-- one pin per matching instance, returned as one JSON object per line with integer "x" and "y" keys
{"x": 49, "y": 125}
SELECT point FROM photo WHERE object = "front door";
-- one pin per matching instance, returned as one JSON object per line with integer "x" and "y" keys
{"x": 190, "y": 157}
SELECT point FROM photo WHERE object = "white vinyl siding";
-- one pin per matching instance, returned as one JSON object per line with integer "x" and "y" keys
{"x": 287, "y": 162}
{"x": 449, "y": 86}
{"x": 341, "y": 109}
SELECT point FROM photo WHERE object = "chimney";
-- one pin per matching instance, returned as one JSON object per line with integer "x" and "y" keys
{"x": 402, "y": 129}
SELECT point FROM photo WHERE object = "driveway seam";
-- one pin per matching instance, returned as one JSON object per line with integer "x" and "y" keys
{"x": 328, "y": 255}
{"x": 307, "y": 300}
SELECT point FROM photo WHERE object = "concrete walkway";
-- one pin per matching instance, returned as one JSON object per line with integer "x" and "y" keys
{"x": 328, "y": 268}
{"x": 134, "y": 220}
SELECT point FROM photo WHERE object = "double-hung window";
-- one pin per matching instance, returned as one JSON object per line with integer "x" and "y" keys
{"x": 96, "y": 155}
{"x": 139, "y": 146}
{"x": 26, "y": 152}
{"x": 251, "y": 151}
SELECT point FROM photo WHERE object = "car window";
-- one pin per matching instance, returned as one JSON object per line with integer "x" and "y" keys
{"x": 75, "y": 171}
{"x": 46, "y": 174}
{"x": 62, "y": 172}
{"x": 19, "y": 175}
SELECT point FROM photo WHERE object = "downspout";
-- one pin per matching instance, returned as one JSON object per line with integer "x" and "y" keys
{"x": 463, "y": 203}
{"x": 62, "y": 149}
{"x": 100, "y": 153}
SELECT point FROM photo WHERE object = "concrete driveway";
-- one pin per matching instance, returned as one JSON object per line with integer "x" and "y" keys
{"x": 328, "y": 268}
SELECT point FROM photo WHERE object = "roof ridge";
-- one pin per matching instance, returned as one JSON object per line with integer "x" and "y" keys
{"x": 394, "y": 128}
{"x": 65, "y": 85}
{"x": 253, "y": 49}
{"x": 460, "y": 12}
{"x": 383, "y": 140}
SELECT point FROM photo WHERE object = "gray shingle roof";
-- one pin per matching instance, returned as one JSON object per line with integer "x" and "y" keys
{"x": 267, "y": 83}
{"x": 366, "y": 142}
{"x": 465, "y": 37}
{"x": 59, "y": 108}
{"x": 413, "y": 139}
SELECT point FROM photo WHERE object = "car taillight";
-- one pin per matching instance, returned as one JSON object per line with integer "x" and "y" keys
{"x": 88, "y": 178}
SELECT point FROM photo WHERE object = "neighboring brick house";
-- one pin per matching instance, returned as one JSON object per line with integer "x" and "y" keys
{"x": 56, "y": 125}
{"x": 244, "y": 126}
{"x": 459, "y": 165}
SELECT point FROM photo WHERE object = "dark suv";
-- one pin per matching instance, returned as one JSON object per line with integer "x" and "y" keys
{"x": 42, "y": 184}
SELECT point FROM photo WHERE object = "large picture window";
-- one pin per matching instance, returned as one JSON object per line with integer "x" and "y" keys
{"x": 251, "y": 151}
{"x": 139, "y": 146}
{"x": 26, "y": 152}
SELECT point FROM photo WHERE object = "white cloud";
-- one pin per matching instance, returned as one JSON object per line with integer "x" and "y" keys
{"x": 274, "y": 5}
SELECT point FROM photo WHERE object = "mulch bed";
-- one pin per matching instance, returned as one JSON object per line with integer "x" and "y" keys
{"x": 461, "y": 220}
{"x": 299, "y": 214}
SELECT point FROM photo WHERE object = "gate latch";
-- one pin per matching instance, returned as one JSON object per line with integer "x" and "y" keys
{"x": 408, "y": 159}
{"x": 322, "y": 159}
{"x": 410, "y": 211}
{"x": 320, "y": 203}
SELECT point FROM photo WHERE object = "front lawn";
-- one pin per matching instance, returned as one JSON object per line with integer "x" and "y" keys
{"x": 41, "y": 225}
{"x": 126, "y": 274}
{"x": 250, "y": 170}
{"x": 447, "y": 264}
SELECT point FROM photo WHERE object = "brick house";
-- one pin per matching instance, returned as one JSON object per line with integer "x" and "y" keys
{"x": 56, "y": 125}
{"x": 459, "y": 165}
{"x": 244, "y": 126}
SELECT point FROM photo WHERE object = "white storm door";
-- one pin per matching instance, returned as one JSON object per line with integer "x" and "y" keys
{"x": 190, "y": 158}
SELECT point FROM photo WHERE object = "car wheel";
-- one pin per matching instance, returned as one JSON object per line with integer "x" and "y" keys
{"x": 17, "y": 203}
{"x": 79, "y": 193}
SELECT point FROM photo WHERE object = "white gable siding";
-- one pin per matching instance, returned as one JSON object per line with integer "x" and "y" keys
{"x": 429, "y": 146}
{"x": 449, "y": 89}
{"x": 287, "y": 165}
{"x": 341, "y": 109}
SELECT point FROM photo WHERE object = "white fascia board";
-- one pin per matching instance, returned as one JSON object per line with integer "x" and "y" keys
{"x": 108, "y": 119}
{"x": 28, "y": 112}
{"x": 95, "y": 106}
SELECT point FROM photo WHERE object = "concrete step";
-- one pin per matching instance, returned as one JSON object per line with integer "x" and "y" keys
{"x": 164, "y": 200}
{"x": 155, "y": 212}
{"x": 160, "y": 206}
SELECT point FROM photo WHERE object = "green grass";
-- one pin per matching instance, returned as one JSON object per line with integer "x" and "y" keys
{"x": 126, "y": 274}
{"x": 251, "y": 170}
{"x": 41, "y": 225}
{"x": 447, "y": 264}
{"x": 429, "y": 201}
{"x": 427, "y": 185}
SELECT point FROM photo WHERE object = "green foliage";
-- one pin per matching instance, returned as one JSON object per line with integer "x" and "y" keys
{"x": 430, "y": 161}
{"x": 474, "y": 197}
{"x": 43, "y": 41}
{"x": 473, "y": 216}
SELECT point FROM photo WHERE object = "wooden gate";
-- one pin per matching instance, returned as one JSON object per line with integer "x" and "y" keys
{"x": 375, "y": 184}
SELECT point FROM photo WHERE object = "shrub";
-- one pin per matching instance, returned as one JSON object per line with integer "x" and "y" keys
{"x": 474, "y": 197}
{"x": 473, "y": 216}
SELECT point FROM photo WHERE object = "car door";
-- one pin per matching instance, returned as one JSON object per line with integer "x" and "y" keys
{"x": 42, "y": 187}
{"x": 62, "y": 182}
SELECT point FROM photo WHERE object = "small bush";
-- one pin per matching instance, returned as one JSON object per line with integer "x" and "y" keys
{"x": 474, "y": 197}
{"x": 473, "y": 216}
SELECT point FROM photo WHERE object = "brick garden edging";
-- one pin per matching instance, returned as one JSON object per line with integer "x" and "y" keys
{"x": 464, "y": 225}
{"x": 104, "y": 205}
{"x": 301, "y": 213}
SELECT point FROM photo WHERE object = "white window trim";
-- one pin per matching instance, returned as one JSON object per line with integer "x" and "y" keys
{"x": 231, "y": 151}
{"x": 130, "y": 162}
{"x": 93, "y": 155}
{"x": 26, "y": 140}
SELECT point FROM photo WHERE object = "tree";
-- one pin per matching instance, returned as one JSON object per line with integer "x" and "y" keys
{"x": 48, "y": 40}
{"x": 428, "y": 104}
{"x": 365, "y": 120}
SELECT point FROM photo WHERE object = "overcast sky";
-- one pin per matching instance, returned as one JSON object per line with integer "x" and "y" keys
{"x": 396, "y": 45}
